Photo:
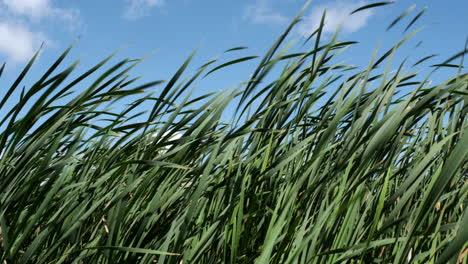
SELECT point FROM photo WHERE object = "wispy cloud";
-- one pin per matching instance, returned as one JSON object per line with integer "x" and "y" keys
{"x": 18, "y": 42}
{"x": 261, "y": 12}
{"x": 139, "y": 8}
{"x": 37, "y": 9}
{"x": 338, "y": 12}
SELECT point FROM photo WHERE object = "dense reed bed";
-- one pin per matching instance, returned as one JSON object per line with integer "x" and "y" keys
{"x": 322, "y": 163}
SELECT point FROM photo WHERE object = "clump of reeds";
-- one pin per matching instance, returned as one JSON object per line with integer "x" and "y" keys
{"x": 323, "y": 163}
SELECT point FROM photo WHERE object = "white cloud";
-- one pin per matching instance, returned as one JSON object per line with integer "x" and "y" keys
{"x": 17, "y": 42}
{"x": 262, "y": 13}
{"x": 34, "y": 8}
{"x": 338, "y": 12}
{"x": 140, "y": 8}
{"x": 37, "y": 9}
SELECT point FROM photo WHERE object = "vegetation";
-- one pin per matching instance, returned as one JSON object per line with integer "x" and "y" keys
{"x": 326, "y": 163}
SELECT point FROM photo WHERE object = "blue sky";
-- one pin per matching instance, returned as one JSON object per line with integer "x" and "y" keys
{"x": 174, "y": 28}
